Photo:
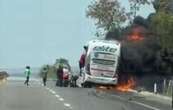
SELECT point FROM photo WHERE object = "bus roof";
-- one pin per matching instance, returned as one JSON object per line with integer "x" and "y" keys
{"x": 105, "y": 42}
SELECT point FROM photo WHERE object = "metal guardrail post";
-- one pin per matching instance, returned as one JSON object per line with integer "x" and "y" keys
{"x": 172, "y": 91}
{"x": 155, "y": 88}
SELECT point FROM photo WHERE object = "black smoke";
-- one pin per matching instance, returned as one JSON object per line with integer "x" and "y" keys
{"x": 137, "y": 57}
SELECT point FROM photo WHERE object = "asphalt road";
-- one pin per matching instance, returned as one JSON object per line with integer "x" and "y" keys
{"x": 14, "y": 95}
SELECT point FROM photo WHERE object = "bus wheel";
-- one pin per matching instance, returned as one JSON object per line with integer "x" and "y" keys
{"x": 87, "y": 85}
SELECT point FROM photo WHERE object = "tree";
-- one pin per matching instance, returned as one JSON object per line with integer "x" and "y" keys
{"x": 162, "y": 26}
{"x": 135, "y": 6}
{"x": 115, "y": 34}
{"x": 163, "y": 5}
{"x": 63, "y": 61}
{"x": 3, "y": 74}
{"x": 162, "y": 22}
{"x": 107, "y": 13}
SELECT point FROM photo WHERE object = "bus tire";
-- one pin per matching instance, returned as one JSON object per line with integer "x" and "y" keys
{"x": 87, "y": 85}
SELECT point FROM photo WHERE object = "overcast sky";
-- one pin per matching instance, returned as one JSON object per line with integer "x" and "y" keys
{"x": 36, "y": 32}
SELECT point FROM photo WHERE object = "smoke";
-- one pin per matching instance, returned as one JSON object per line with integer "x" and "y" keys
{"x": 139, "y": 48}
{"x": 140, "y": 21}
{"x": 139, "y": 57}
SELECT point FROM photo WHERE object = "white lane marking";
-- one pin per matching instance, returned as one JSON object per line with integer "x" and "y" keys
{"x": 47, "y": 88}
{"x": 67, "y": 105}
{"x": 57, "y": 96}
{"x": 141, "y": 104}
{"x": 61, "y": 99}
{"x": 53, "y": 92}
{"x": 147, "y": 106}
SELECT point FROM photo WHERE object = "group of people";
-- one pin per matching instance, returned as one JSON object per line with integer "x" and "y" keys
{"x": 44, "y": 75}
{"x": 28, "y": 74}
{"x": 59, "y": 72}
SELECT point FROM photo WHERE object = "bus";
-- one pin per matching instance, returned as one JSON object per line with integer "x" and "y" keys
{"x": 101, "y": 62}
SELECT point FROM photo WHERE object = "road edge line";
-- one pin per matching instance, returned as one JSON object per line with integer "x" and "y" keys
{"x": 145, "y": 105}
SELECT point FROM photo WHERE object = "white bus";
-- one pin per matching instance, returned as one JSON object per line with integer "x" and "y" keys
{"x": 101, "y": 62}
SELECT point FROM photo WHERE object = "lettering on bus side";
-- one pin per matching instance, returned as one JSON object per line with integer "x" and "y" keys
{"x": 105, "y": 49}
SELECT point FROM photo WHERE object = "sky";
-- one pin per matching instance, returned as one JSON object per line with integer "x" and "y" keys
{"x": 37, "y": 32}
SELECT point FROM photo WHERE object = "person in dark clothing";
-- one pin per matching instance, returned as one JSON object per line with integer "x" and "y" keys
{"x": 60, "y": 76}
{"x": 82, "y": 60}
{"x": 73, "y": 81}
{"x": 44, "y": 73}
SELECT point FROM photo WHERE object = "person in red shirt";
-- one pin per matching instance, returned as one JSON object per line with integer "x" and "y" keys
{"x": 82, "y": 60}
{"x": 60, "y": 75}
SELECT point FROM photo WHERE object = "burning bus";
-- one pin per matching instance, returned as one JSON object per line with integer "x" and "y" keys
{"x": 101, "y": 62}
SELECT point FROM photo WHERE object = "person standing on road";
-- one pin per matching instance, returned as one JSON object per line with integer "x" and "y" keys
{"x": 44, "y": 73}
{"x": 60, "y": 75}
{"x": 82, "y": 60}
{"x": 27, "y": 73}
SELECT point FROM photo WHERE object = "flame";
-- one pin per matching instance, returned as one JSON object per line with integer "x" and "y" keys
{"x": 135, "y": 37}
{"x": 137, "y": 33}
{"x": 126, "y": 87}
{"x": 123, "y": 87}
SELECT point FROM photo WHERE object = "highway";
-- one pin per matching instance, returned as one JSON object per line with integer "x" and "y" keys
{"x": 14, "y": 95}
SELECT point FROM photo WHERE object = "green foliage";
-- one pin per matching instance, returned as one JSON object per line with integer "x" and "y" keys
{"x": 63, "y": 61}
{"x": 162, "y": 26}
{"x": 140, "y": 2}
{"x": 114, "y": 34}
{"x": 52, "y": 72}
{"x": 107, "y": 13}
{"x": 163, "y": 5}
{"x": 110, "y": 16}
{"x": 3, "y": 74}
{"x": 135, "y": 6}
